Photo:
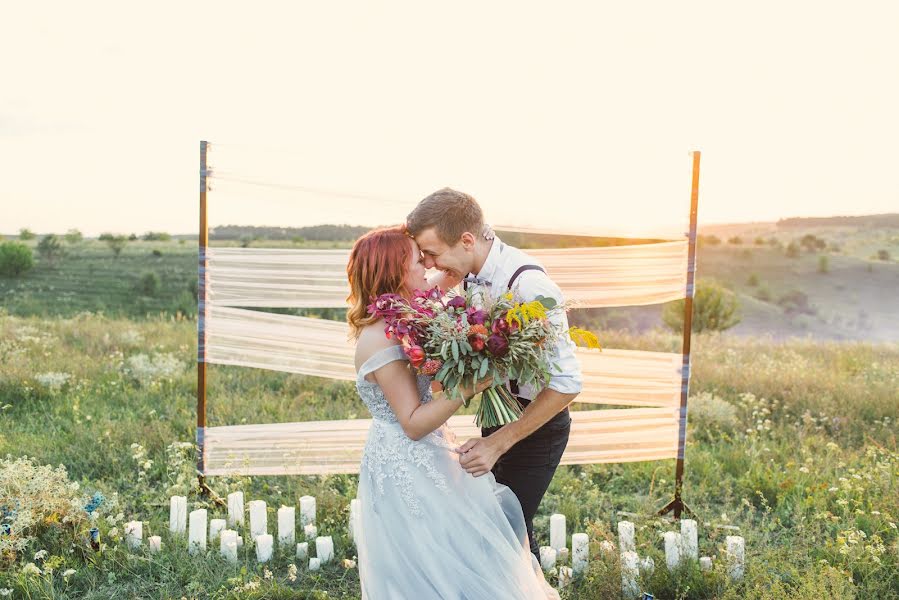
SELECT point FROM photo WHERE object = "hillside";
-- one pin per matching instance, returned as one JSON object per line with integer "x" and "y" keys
{"x": 839, "y": 282}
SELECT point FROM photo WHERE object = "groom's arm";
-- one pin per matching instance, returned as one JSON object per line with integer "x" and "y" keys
{"x": 480, "y": 454}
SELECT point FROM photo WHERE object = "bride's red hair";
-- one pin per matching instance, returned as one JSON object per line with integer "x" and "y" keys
{"x": 377, "y": 265}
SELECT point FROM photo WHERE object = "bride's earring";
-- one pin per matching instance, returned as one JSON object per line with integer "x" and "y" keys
{"x": 487, "y": 232}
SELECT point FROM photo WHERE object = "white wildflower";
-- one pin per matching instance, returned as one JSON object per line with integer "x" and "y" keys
{"x": 40, "y": 555}
{"x": 68, "y": 573}
{"x": 31, "y": 569}
{"x": 53, "y": 381}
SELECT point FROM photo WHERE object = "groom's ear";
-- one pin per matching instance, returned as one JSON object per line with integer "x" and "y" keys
{"x": 468, "y": 240}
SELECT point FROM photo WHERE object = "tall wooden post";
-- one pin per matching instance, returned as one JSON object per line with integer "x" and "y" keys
{"x": 677, "y": 505}
{"x": 201, "y": 322}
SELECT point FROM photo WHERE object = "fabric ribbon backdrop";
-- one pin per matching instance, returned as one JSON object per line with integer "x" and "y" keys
{"x": 238, "y": 280}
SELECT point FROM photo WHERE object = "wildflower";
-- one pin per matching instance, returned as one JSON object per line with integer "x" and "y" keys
{"x": 803, "y": 469}
{"x": 498, "y": 345}
{"x": 53, "y": 381}
{"x": 267, "y": 574}
{"x": 5, "y": 591}
{"x": 40, "y": 555}
{"x": 68, "y": 573}
{"x": 31, "y": 569}
{"x": 416, "y": 355}
{"x": 430, "y": 367}
{"x": 291, "y": 573}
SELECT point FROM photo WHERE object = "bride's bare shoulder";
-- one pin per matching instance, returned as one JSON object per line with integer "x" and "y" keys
{"x": 372, "y": 339}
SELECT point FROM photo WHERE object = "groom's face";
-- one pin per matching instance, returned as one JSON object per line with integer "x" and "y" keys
{"x": 437, "y": 254}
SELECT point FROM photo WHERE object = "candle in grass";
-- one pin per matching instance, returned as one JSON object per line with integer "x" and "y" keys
{"x": 735, "y": 550}
{"x": 314, "y": 564}
{"x": 307, "y": 510}
{"x": 689, "y": 539}
{"x": 264, "y": 545}
{"x": 311, "y": 531}
{"x": 557, "y": 532}
{"x": 216, "y": 526}
{"x": 324, "y": 549}
{"x": 303, "y": 550}
{"x": 235, "y": 509}
{"x": 672, "y": 549}
{"x": 178, "y": 514}
{"x": 580, "y": 552}
{"x": 629, "y": 574}
{"x": 197, "y": 536}
{"x": 547, "y": 557}
{"x": 258, "y": 518}
{"x": 286, "y": 526}
{"x": 626, "y": 538}
{"x": 228, "y": 545}
{"x": 134, "y": 534}
{"x": 155, "y": 544}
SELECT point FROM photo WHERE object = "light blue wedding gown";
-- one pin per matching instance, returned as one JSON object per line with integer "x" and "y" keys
{"x": 429, "y": 530}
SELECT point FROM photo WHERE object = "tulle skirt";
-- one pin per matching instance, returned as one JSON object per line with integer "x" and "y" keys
{"x": 429, "y": 530}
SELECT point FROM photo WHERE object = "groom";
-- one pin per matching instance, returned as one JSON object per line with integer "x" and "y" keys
{"x": 449, "y": 228}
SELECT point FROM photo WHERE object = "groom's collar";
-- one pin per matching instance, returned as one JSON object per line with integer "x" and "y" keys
{"x": 488, "y": 271}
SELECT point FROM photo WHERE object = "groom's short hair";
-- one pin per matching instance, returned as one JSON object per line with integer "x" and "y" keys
{"x": 450, "y": 212}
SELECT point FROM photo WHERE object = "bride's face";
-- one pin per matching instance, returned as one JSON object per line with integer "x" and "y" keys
{"x": 415, "y": 270}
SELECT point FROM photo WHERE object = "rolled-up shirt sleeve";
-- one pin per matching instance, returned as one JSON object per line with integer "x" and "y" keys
{"x": 567, "y": 378}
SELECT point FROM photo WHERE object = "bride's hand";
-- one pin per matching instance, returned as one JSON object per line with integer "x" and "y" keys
{"x": 480, "y": 386}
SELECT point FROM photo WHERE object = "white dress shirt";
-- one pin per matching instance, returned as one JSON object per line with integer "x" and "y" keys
{"x": 502, "y": 262}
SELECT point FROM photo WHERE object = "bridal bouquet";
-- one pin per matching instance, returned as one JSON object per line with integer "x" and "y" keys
{"x": 458, "y": 343}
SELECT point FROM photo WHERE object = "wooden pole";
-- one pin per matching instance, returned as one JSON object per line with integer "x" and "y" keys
{"x": 677, "y": 505}
{"x": 201, "y": 322}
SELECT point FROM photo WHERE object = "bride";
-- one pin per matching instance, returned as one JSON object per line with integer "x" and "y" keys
{"x": 429, "y": 529}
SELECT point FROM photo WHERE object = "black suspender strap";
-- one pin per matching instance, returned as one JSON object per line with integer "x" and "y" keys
{"x": 513, "y": 384}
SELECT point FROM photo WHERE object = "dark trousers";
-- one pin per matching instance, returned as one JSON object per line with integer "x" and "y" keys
{"x": 528, "y": 467}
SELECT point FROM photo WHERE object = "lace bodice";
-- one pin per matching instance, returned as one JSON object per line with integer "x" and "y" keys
{"x": 372, "y": 394}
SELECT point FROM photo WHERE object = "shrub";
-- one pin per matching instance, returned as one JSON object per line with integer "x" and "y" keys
{"x": 883, "y": 255}
{"x": 156, "y": 236}
{"x": 793, "y": 250}
{"x": 823, "y": 264}
{"x": 812, "y": 243}
{"x": 116, "y": 243}
{"x": 759, "y": 241}
{"x": 15, "y": 259}
{"x": 714, "y": 309}
{"x": 26, "y": 234}
{"x": 763, "y": 294}
{"x": 148, "y": 284}
{"x": 50, "y": 248}
{"x": 795, "y": 302}
{"x": 73, "y": 236}
{"x": 34, "y": 500}
{"x": 736, "y": 240}
{"x": 753, "y": 280}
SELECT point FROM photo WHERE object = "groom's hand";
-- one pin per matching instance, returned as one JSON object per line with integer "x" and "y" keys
{"x": 478, "y": 455}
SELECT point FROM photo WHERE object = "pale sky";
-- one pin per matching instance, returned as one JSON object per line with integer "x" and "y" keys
{"x": 568, "y": 115}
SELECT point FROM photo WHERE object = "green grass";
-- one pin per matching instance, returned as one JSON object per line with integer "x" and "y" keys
{"x": 793, "y": 442}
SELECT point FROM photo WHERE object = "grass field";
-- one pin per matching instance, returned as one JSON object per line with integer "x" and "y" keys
{"x": 792, "y": 442}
